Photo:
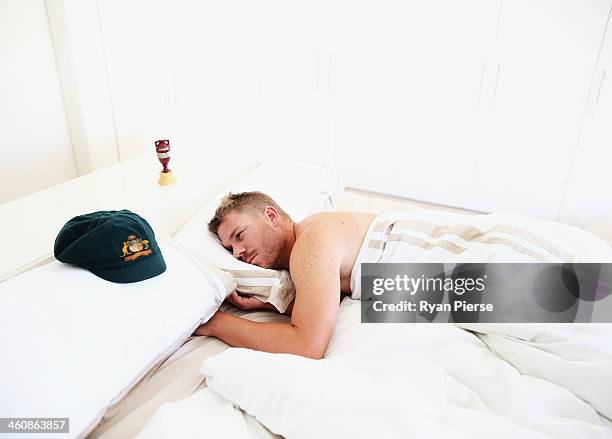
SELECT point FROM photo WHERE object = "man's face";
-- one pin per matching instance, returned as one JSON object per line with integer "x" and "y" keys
{"x": 253, "y": 237}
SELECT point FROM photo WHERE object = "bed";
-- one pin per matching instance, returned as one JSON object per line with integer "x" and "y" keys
{"x": 389, "y": 380}
{"x": 179, "y": 377}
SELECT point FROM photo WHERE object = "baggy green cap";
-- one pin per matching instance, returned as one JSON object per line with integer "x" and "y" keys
{"x": 116, "y": 245}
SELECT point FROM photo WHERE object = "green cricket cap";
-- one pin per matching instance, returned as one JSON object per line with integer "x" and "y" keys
{"x": 116, "y": 245}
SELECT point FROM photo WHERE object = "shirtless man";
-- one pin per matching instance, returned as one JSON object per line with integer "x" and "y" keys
{"x": 319, "y": 252}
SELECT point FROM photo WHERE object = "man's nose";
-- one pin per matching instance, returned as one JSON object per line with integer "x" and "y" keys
{"x": 238, "y": 252}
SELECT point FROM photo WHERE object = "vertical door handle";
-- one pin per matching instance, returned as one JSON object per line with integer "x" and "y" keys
{"x": 322, "y": 72}
{"x": 602, "y": 77}
{"x": 166, "y": 83}
{"x": 170, "y": 86}
{"x": 329, "y": 75}
{"x": 482, "y": 74}
{"x": 317, "y": 71}
{"x": 495, "y": 87}
{"x": 175, "y": 83}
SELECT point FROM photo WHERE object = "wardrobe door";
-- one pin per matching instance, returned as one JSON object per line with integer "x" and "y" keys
{"x": 183, "y": 70}
{"x": 294, "y": 62}
{"x": 589, "y": 190}
{"x": 545, "y": 58}
{"x": 408, "y": 89}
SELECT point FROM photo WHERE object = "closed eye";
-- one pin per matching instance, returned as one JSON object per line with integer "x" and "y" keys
{"x": 240, "y": 235}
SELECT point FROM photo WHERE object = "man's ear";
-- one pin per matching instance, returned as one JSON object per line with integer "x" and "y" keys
{"x": 272, "y": 214}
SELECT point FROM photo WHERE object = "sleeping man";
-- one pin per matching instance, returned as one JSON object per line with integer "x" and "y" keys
{"x": 319, "y": 251}
{"x": 324, "y": 253}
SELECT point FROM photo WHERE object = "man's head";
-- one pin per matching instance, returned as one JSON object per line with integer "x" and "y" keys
{"x": 252, "y": 226}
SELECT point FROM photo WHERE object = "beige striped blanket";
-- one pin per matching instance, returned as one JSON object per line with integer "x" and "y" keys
{"x": 446, "y": 237}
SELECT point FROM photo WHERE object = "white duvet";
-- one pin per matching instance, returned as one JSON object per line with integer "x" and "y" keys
{"x": 397, "y": 380}
{"x": 575, "y": 356}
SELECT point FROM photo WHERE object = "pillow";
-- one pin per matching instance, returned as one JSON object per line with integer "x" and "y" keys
{"x": 299, "y": 187}
{"x": 75, "y": 344}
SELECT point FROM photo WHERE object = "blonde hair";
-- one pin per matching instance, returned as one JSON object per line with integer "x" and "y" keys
{"x": 241, "y": 202}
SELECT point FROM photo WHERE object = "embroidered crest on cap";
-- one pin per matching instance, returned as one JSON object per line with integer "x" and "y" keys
{"x": 135, "y": 247}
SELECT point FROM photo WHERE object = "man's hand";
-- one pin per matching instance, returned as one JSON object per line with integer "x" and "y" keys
{"x": 208, "y": 328}
{"x": 248, "y": 303}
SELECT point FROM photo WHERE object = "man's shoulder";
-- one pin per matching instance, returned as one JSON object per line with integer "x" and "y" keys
{"x": 325, "y": 221}
{"x": 331, "y": 229}
{"x": 320, "y": 226}
{"x": 316, "y": 246}
{"x": 327, "y": 242}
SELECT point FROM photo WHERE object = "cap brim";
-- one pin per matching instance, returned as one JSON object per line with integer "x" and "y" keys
{"x": 153, "y": 266}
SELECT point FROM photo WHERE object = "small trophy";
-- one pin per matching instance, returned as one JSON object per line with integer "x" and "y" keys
{"x": 166, "y": 177}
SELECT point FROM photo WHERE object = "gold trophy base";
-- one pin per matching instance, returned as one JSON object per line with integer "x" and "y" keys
{"x": 166, "y": 178}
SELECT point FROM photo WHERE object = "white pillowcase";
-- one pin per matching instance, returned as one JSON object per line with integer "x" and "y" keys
{"x": 301, "y": 188}
{"x": 74, "y": 344}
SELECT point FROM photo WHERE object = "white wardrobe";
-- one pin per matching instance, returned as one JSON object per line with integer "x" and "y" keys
{"x": 589, "y": 190}
{"x": 477, "y": 104}
{"x": 546, "y": 55}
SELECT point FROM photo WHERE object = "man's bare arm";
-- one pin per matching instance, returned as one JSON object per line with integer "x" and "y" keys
{"x": 261, "y": 336}
{"x": 315, "y": 270}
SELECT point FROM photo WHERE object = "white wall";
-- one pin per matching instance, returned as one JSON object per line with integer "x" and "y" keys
{"x": 36, "y": 145}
